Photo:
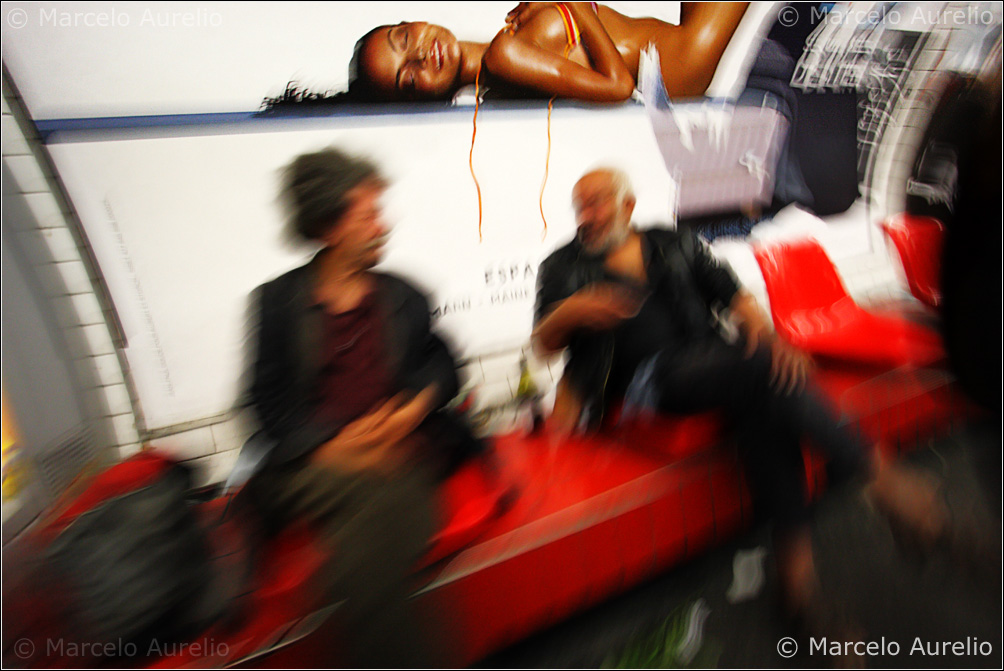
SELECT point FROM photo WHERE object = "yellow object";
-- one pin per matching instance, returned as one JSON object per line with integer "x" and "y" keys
{"x": 13, "y": 468}
{"x": 526, "y": 388}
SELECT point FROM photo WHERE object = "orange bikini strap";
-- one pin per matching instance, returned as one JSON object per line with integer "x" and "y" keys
{"x": 571, "y": 28}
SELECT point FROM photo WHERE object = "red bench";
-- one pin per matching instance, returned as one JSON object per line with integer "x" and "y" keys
{"x": 563, "y": 525}
{"x": 595, "y": 516}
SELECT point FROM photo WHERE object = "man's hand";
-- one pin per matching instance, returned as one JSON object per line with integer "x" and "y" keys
{"x": 357, "y": 446}
{"x": 598, "y": 307}
{"x": 371, "y": 442}
{"x": 603, "y": 305}
{"x": 790, "y": 366}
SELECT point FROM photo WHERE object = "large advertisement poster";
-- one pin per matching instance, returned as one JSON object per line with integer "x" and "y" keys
{"x": 154, "y": 116}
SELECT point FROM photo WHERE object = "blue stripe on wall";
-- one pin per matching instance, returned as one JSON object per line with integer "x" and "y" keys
{"x": 91, "y": 129}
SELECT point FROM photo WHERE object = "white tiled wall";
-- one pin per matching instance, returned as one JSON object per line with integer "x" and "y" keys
{"x": 27, "y": 172}
{"x": 74, "y": 303}
{"x": 210, "y": 449}
{"x": 494, "y": 379}
{"x": 77, "y": 308}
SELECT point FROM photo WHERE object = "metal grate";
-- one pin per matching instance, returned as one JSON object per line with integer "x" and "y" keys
{"x": 59, "y": 465}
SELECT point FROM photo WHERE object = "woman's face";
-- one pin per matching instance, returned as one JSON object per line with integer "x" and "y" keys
{"x": 411, "y": 61}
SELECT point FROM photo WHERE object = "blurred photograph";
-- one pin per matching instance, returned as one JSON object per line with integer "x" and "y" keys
{"x": 501, "y": 335}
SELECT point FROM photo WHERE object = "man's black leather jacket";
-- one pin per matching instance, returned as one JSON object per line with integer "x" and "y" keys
{"x": 681, "y": 271}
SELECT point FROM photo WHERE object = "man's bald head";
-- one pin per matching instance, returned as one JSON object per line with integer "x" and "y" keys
{"x": 604, "y": 202}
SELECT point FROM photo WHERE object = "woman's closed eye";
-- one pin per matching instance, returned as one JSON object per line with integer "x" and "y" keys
{"x": 399, "y": 38}
{"x": 406, "y": 77}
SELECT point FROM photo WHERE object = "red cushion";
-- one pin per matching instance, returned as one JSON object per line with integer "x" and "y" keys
{"x": 470, "y": 498}
{"x": 919, "y": 242}
{"x": 798, "y": 275}
{"x": 596, "y": 516}
{"x": 811, "y": 309}
{"x": 845, "y": 331}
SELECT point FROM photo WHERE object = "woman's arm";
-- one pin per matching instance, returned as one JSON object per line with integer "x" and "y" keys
{"x": 516, "y": 59}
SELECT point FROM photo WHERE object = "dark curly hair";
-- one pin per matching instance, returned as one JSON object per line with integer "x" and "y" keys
{"x": 294, "y": 97}
{"x": 315, "y": 187}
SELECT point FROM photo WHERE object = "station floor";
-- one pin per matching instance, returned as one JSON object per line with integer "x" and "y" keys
{"x": 921, "y": 612}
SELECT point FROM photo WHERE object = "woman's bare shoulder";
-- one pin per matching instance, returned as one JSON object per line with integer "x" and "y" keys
{"x": 544, "y": 29}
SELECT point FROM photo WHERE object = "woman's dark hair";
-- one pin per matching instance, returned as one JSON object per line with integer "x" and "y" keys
{"x": 294, "y": 97}
{"x": 361, "y": 88}
{"x": 315, "y": 189}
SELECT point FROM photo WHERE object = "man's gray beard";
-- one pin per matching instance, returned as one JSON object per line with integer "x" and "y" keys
{"x": 614, "y": 239}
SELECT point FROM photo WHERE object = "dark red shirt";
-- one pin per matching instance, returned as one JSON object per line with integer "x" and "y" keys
{"x": 353, "y": 377}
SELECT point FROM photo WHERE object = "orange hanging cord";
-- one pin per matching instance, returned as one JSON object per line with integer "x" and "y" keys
{"x": 470, "y": 160}
{"x": 547, "y": 164}
{"x": 572, "y": 35}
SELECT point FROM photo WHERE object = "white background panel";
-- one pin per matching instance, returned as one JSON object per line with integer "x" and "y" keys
{"x": 185, "y": 227}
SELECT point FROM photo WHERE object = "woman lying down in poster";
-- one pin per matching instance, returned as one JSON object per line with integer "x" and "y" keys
{"x": 577, "y": 50}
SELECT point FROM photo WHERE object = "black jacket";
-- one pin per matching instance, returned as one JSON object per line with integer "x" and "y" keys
{"x": 287, "y": 344}
{"x": 681, "y": 271}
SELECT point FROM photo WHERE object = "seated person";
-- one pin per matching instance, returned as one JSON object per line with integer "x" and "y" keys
{"x": 638, "y": 308}
{"x": 349, "y": 385}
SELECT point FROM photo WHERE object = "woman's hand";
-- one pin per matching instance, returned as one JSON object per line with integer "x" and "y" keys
{"x": 523, "y": 12}
{"x": 516, "y": 57}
